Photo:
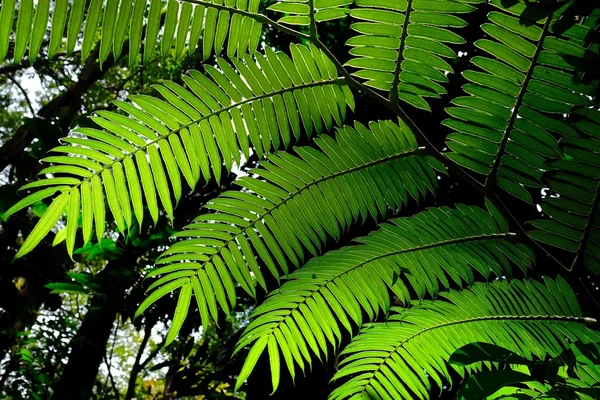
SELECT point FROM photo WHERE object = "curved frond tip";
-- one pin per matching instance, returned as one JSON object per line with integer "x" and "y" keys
{"x": 135, "y": 159}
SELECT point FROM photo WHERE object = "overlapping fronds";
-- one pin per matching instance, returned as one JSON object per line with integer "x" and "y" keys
{"x": 165, "y": 26}
{"x": 573, "y": 374}
{"x": 573, "y": 195}
{"x": 292, "y": 205}
{"x": 522, "y": 92}
{"x": 401, "y": 358}
{"x": 402, "y": 46}
{"x": 139, "y": 156}
{"x": 414, "y": 254}
{"x": 298, "y": 12}
{"x": 567, "y": 387}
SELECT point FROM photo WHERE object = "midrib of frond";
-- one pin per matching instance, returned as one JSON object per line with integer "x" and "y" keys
{"x": 302, "y": 190}
{"x": 391, "y": 254}
{"x": 207, "y": 116}
{"x": 312, "y": 28}
{"x": 255, "y": 16}
{"x": 490, "y": 181}
{"x": 588, "y": 229}
{"x": 396, "y": 81}
{"x": 563, "y": 318}
{"x": 220, "y": 7}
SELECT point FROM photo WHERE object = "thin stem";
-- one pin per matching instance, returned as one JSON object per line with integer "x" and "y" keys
{"x": 257, "y": 17}
{"x": 490, "y": 182}
{"x": 24, "y": 93}
{"x": 312, "y": 29}
{"x": 396, "y": 82}
{"x": 137, "y": 367}
{"x": 588, "y": 229}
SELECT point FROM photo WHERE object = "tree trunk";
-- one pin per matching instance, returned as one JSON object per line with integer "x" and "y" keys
{"x": 88, "y": 346}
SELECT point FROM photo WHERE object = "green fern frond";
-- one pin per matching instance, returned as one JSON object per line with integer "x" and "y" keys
{"x": 399, "y": 359}
{"x": 574, "y": 195}
{"x": 192, "y": 131}
{"x": 509, "y": 124}
{"x": 298, "y": 12}
{"x": 402, "y": 48}
{"x": 416, "y": 253}
{"x": 295, "y": 203}
{"x": 180, "y": 24}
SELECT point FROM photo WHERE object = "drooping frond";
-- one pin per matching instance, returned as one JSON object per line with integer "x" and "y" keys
{"x": 574, "y": 194}
{"x": 192, "y": 132}
{"x": 402, "y": 46}
{"x": 509, "y": 124}
{"x": 298, "y": 12}
{"x": 293, "y": 204}
{"x": 399, "y": 359}
{"x": 165, "y": 26}
{"x": 417, "y": 254}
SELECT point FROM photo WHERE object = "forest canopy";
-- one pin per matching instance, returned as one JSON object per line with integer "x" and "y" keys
{"x": 341, "y": 199}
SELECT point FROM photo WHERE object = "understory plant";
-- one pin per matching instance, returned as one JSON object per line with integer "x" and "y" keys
{"x": 396, "y": 303}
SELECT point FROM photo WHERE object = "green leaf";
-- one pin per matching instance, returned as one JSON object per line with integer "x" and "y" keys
{"x": 158, "y": 293}
{"x": 183, "y": 305}
{"x": 47, "y": 222}
{"x": 250, "y": 361}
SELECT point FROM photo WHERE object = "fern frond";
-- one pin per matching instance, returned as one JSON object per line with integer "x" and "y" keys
{"x": 192, "y": 131}
{"x": 399, "y": 359}
{"x": 293, "y": 204}
{"x": 166, "y": 26}
{"x": 574, "y": 195}
{"x": 512, "y": 118}
{"x": 298, "y": 12}
{"x": 402, "y": 46}
{"x": 414, "y": 254}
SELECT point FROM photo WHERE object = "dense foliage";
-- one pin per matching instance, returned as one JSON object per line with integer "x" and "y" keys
{"x": 430, "y": 189}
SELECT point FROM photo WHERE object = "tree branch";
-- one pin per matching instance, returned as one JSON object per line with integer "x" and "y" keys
{"x": 24, "y": 93}
{"x": 137, "y": 365}
{"x": 70, "y": 100}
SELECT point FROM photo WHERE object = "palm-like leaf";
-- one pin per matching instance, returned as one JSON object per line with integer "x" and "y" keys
{"x": 401, "y": 46}
{"x": 192, "y": 131}
{"x": 180, "y": 24}
{"x": 424, "y": 251}
{"x": 574, "y": 195}
{"x": 509, "y": 124}
{"x": 397, "y": 359}
{"x": 296, "y": 204}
